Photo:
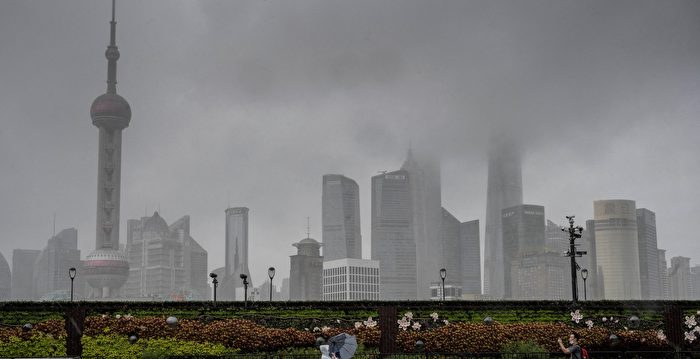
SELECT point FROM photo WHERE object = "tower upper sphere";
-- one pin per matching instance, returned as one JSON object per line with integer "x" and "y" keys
{"x": 110, "y": 110}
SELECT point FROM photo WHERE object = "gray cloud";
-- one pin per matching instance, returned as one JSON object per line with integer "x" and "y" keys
{"x": 250, "y": 103}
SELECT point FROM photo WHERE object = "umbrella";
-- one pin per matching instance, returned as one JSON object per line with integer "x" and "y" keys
{"x": 343, "y": 345}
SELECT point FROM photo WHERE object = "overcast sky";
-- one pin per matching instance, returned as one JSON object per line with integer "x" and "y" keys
{"x": 249, "y": 103}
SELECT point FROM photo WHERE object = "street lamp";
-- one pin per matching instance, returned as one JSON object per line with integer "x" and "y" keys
{"x": 271, "y": 274}
{"x": 71, "y": 273}
{"x": 244, "y": 277}
{"x": 443, "y": 274}
{"x": 584, "y": 275}
{"x": 215, "y": 282}
{"x": 574, "y": 232}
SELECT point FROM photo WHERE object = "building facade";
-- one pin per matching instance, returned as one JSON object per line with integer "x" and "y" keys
{"x": 504, "y": 189}
{"x": 470, "y": 255}
{"x": 23, "y": 273}
{"x": 679, "y": 278}
{"x": 306, "y": 271}
{"x": 617, "y": 250}
{"x": 5, "y": 279}
{"x": 523, "y": 236}
{"x": 351, "y": 279}
{"x": 236, "y": 254}
{"x": 648, "y": 254}
{"x": 340, "y": 207}
{"x": 665, "y": 286}
{"x": 426, "y": 208}
{"x": 542, "y": 276}
{"x": 165, "y": 262}
{"x": 50, "y": 273}
{"x": 451, "y": 252}
{"x": 393, "y": 243}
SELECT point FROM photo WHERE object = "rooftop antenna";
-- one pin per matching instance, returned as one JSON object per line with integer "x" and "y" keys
{"x": 308, "y": 228}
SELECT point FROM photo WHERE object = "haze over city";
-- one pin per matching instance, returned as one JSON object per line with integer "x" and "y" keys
{"x": 249, "y": 104}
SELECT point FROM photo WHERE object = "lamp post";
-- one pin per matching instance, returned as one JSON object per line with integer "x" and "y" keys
{"x": 443, "y": 274}
{"x": 271, "y": 274}
{"x": 71, "y": 273}
{"x": 244, "y": 277}
{"x": 215, "y": 282}
{"x": 584, "y": 275}
{"x": 574, "y": 232}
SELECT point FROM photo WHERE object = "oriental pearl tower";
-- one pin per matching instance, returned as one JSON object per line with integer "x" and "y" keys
{"x": 106, "y": 269}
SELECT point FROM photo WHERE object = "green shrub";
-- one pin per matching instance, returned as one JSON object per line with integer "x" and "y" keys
{"x": 118, "y": 347}
{"x": 523, "y": 350}
{"x": 38, "y": 345}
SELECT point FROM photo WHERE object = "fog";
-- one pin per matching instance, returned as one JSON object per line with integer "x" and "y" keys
{"x": 249, "y": 103}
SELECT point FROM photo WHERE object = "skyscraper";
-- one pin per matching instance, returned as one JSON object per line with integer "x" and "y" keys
{"x": 340, "y": 207}
{"x": 523, "y": 236}
{"x": 306, "y": 271}
{"x": 470, "y": 254}
{"x": 451, "y": 258}
{"x": 648, "y": 254}
{"x": 236, "y": 253}
{"x": 426, "y": 208}
{"x": 393, "y": 243}
{"x": 594, "y": 287}
{"x": 106, "y": 269}
{"x": 679, "y": 278}
{"x": 23, "y": 273}
{"x": 50, "y": 273}
{"x": 505, "y": 189}
{"x": 165, "y": 262}
{"x": 351, "y": 279}
{"x": 617, "y": 250}
{"x": 695, "y": 282}
{"x": 5, "y": 279}
{"x": 665, "y": 287}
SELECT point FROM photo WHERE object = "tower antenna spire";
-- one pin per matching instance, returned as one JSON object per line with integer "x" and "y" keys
{"x": 308, "y": 228}
{"x": 112, "y": 54}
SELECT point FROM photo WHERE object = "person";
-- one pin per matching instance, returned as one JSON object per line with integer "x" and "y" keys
{"x": 574, "y": 350}
{"x": 324, "y": 352}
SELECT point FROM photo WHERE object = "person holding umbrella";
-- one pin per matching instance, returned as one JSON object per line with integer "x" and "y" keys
{"x": 342, "y": 346}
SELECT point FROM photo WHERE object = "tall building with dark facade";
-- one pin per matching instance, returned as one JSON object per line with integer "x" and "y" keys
{"x": 236, "y": 254}
{"x": 50, "y": 274}
{"x": 648, "y": 254}
{"x": 426, "y": 207}
{"x": 504, "y": 189}
{"x": 340, "y": 207}
{"x": 306, "y": 271}
{"x": 470, "y": 255}
{"x": 594, "y": 286}
{"x": 540, "y": 276}
{"x": 523, "y": 235}
{"x": 165, "y": 262}
{"x": 393, "y": 243}
{"x": 665, "y": 286}
{"x": 617, "y": 250}
{"x": 5, "y": 279}
{"x": 106, "y": 269}
{"x": 679, "y": 278}
{"x": 23, "y": 273}
{"x": 451, "y": 250}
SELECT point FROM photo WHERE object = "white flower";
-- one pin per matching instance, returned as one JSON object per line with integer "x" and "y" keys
{"x": 104, "y": 315}
{"x": 434, "y": 315}
{"x": 576, "y": 316}
{"x": 589, "y": 323}
{"x": 404, "y": 323}
{"x": 358, "y": 325}
{"x": 325, "y": 328}
{"x": 698, "y": 313}
{"x": 128, "y": 316}
{"x": 307, "y": 329}
{"x": 408, "y": 315}
{"x": 445, "y": 321}
{"x": 317, "y": 329}
{"x": 118, "y": 316}
{"x": 416, "y": 326}
{"x": 605, "y": 319}
{"x": 370, "y": 323}
{"x": 697, "y": 329}
{"x": 660, "y": 334}
{"x": 690, "y": 321}
{"x": 337, "y": 320}
{"x": 690, "y": 336}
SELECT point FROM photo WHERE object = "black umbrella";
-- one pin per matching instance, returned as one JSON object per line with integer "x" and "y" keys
{"x": 343, "y": 345}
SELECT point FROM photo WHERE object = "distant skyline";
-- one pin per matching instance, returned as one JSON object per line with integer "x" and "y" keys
{"x": 249, "y": 104}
